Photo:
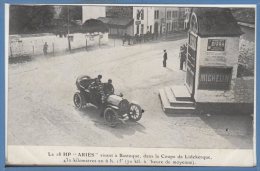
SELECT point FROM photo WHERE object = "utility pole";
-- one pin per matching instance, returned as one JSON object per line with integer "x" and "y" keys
{"x": 147, "y": 23}
{"x": 68, "y": 35}
{"x": 165, "y": 23}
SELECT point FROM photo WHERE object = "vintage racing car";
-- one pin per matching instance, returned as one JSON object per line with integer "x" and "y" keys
{"x": 114, "y": 108}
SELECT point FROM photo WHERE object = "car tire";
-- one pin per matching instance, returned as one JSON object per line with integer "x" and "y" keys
{"x": 79, "y": 100}
{"x": 110, "y": 116}
{"x": 135, "y": 112}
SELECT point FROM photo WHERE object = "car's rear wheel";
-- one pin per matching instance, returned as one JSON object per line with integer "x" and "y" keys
{"x": 135, "y": 112}
{"x": 110, "y": 116}
{"x": 78, "y": 100}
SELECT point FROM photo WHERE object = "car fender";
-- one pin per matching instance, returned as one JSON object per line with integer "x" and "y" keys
{"x": 112, "y": 106}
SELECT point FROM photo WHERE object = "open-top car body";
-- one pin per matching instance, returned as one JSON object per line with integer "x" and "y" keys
{"x": 114, "y": 108}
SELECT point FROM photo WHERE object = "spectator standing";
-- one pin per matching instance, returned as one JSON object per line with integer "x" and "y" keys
{"x": 182, "y": 56}
{"x": 45, "y": 49}
{"x": 164, "y": 58}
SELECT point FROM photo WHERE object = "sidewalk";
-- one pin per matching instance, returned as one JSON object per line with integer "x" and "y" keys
{"x": 113, "y": 42}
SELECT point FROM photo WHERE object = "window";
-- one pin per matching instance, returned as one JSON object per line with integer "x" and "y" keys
{"x": 183, "y": 14}
{"x": 156, "y": 14}
{"x": 168, "y": 15}
{"x": 181, "y": 24}
{"x": 174, "y": 14}
{"x": 140, "y": 14}
{"x": 175, "y": 25}
{"x": 168, "y": 26}
{"x": 142, "y": 29}
{"x": 137, "y": 29}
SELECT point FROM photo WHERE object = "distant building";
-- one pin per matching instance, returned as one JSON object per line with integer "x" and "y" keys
{"x": 137, "y": 20}
{"x": 119, "y": 20}
{"x": 118, "y": 26}
{"x": 143, "y": 20}
{"x": 169, "y": 19}
{"x": 129, "y": 20}
{"x": 172, "y": 17}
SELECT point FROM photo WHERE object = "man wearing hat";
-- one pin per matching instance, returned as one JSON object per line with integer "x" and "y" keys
{"x": 164, "y": 58}
{"x": 108, "y": 87}
{"x": 182, "y": 55}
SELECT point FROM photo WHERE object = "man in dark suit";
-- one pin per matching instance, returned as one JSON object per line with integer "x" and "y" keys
{"x": 108, "y": 87}
{"x": 164, "y": 58}
{"x": 182, "y": 55}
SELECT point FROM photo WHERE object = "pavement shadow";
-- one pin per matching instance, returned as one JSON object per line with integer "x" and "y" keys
{"x": 20, "y": 59}
{"x": 122, "y": 129}
{"x": 236, "y": 128}
{"x": 182, "y": 115}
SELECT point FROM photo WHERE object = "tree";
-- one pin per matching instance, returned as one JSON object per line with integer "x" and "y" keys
{"x": 75, "y": 12}
{"x": 246, "y": 15}
{"x": 30, "y": 19}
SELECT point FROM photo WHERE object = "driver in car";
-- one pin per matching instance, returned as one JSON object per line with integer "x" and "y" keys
{"x": 108, "y": 88}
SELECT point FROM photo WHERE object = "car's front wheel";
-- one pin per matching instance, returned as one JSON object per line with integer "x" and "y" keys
{"x": 135, "y": 112}
{"x": 110, "y": 116}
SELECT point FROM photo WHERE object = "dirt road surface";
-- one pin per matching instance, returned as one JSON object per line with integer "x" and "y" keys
{"x": 41, "y": 109}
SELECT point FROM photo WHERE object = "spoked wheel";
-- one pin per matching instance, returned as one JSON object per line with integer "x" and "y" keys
{"x": 78, "y": 100}
{"x": 135, "y": 112}
{"x": 110, "y": 116}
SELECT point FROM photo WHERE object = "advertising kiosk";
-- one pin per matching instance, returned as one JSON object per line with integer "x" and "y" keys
{"x": 211, "y": 81}
{"x": 212, "y": 58}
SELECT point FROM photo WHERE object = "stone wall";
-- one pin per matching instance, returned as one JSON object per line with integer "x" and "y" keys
{"x": 246, "y": 58}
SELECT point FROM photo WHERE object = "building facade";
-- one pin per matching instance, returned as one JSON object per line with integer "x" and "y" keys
{"x": 138, "y": 20}
{"x": 119, "y": 20}
{"x": 92, "y": 12}
{"x": 143, "y": 20}
{"x": 168, "y": 19}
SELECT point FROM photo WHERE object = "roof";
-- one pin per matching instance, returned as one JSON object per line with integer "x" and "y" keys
{"x": 216, "y": 22}
{"x": 93, "y": 25}
{"x": 117, "y": 22}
